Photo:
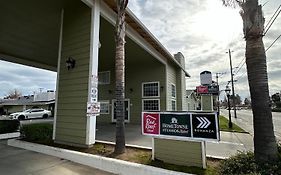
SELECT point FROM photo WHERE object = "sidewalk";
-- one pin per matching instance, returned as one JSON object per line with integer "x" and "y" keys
{"x": 15, "y": 161}
{"x": 229, "y": 145}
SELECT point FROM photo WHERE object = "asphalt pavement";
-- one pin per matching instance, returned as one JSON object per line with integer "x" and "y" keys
{"x": 16, "y": 161}
{"x": 245, "y": 120}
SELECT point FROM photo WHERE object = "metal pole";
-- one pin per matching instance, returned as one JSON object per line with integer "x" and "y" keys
{"x": 232, "y": 83}
{"x": 218, "y": 103}
{"x": 229, "y": 113}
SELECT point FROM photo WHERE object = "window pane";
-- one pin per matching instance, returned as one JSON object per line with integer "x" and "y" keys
{"x": 104, "y": 77}
{"x": 173, "y": 91}
{"x": 104, "y": 108}
{"x": 173, "y": 105}
{"x": 151, "y": 105}
{"x": 151, "y": 89}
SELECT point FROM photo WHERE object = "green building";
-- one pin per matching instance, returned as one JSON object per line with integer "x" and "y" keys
{"x": 52, "y": 33}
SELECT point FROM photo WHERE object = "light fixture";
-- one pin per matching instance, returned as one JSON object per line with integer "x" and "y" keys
{"x": 70, "y": 63}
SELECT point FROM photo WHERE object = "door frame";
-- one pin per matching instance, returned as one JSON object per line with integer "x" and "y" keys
{"x": 112, "y": 110}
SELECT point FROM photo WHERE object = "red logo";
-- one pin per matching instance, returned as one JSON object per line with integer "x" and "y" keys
{"x": 202, "y": 89}
{"x": 151, "y": 123}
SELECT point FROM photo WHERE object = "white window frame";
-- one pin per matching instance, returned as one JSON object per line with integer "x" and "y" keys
{"x": 148, "y": 100}
{"x": 109, "y": 76}
{"x": 173, "y": 100}
{"x": 105, "y": 102}
{"x": 142, "y": 89}
{"x": 174, "y": 97}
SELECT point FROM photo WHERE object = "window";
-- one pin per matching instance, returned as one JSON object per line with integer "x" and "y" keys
{"x": 104, "y": 77}
{"x": 104, "y": 107}
{"x": 173, "y": 91}
{"x": 151, "y": 105}
{"x": 174, "y": 107}
{"x": 150, "y": 89}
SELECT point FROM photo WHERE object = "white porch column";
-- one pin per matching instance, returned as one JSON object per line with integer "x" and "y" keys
{"x": 93, "y": 71}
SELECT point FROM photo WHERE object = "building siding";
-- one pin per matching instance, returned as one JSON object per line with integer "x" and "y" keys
{"x": 187, "y": 153}
{"x": 73, "y": 85}
{"x": 171, "y": 79}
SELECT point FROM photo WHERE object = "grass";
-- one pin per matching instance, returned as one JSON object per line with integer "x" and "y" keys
{"x": 224, "y": 126}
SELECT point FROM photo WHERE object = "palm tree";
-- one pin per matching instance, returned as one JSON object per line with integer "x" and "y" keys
{"x": 265, "y": 146}
{"x": 120, "y": 76}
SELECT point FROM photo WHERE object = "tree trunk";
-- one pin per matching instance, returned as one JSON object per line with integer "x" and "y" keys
{"x": 264, "y": 140}
{"x": 120, "y": 76}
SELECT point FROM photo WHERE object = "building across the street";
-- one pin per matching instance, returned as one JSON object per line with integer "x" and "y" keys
{"x": 44, "y": 100}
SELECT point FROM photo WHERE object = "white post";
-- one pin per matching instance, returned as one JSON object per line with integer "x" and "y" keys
{"x": 93, "y": 73}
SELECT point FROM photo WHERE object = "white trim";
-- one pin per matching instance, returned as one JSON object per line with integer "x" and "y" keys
{"x": 26, "y": 62}
{"x": 89, "y": 3}
{"x": 129, "y": 110}
{"x": 148, "y": 100}
{"x": 105, "y": 102}
{"x": 58, "y": 75}
{"x": 166, "y": 88}
{"x": 143, "y": 83}
{"x": 93, "y": 68}
{"x": 212, "y": 103}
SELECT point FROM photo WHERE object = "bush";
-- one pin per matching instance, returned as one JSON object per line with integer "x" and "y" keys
{"x": 40, "y": 132}
{"x": 276, "y": 110}
{"x": 8, "y": 126}
{"x": 244, "y": 163}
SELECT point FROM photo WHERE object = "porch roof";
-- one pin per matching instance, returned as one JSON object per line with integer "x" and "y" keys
{"x": 139, "y": 27}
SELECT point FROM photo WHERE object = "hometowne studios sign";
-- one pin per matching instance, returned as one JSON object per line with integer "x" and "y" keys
{"x": 181, "y": 125}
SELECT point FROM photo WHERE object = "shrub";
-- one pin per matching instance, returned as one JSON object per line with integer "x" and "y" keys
{"x": 242, "y": 163}
{"x": 276, "y": 110}
{"x": 40, "y": 132}
{"x": 8, "y": 126}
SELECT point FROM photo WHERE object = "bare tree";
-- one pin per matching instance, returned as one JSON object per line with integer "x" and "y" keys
{"x": 253, "y": 27}
{"x": 13, "y": 94}
{"x": 120, "y": 76}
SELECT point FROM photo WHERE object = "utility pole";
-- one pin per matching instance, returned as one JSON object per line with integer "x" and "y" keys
{"x": 217, "y": 77}
{"x": 232, "y": 83}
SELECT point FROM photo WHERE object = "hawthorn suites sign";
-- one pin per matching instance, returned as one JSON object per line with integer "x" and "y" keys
{"x": 189, "y": 125}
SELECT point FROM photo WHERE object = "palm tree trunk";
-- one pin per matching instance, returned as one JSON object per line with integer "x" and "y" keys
{"x": 120, "y": 76}
{"x": 265, "y": 145}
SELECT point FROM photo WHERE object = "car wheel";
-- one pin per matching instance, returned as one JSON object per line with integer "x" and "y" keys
{"x": 21, "y": 117}
{"x": 45, "y": 116}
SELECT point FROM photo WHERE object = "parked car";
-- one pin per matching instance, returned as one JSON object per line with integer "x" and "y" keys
{"x": 30, "y": 113}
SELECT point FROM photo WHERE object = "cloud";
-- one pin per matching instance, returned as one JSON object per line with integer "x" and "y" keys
{"x": 25, "y": 79}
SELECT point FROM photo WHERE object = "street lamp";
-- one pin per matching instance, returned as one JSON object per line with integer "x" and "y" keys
{"x": 227, "y": 91}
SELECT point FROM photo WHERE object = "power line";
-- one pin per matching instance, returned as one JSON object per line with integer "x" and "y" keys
{"x": 272, "y": 43}
{"x": 240, "y": 68}
{"x": 270, "y": 22}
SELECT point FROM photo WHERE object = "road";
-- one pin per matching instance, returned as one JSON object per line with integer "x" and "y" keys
{"x": 245, "y": 121}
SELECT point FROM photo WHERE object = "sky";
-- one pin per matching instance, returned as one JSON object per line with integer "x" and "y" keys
{"x": 203, "y": 30}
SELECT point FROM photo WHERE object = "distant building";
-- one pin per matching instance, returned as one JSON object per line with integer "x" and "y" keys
{"x": 192, "y": 100}
{"x": 45, "y": 100}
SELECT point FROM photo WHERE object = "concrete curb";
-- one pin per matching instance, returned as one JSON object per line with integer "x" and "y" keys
{"x": 103, "y": 163}
{"x": 9, "y": 135}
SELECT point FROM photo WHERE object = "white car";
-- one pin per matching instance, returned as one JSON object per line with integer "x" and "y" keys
{"x": 31, "y": 113}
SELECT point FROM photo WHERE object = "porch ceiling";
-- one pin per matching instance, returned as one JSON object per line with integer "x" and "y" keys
{"x": 29, "y": 32}
{"x": 135, "y": 55}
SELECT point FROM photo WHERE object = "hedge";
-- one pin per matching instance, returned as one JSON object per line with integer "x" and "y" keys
{"x": 39, "y": 132}
{"x": 8, "y": 126}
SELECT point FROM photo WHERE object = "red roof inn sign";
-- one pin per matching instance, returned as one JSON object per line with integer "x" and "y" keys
{"x": 181, "y": 125}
